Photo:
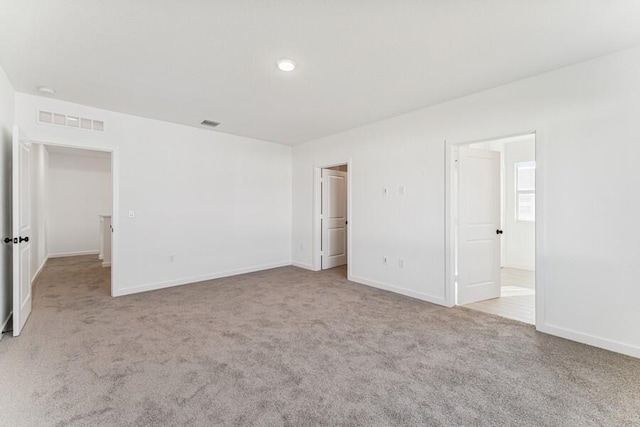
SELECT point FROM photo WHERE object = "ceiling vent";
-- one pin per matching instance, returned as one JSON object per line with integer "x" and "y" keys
{"x": 48, "y": 117}
{"x": 209, "y": 123}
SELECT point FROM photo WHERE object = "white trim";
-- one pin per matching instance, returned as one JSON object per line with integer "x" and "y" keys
{"x": 449, "y": 256}
{"x": 196, "y": 279}
{"x": 6, "y": 322}
{"x": 449, "y": 220}
{"x": 115, "y": 191}
{"x": 303, "y": 265}
{"x": 106, "y": 264}
{"x": 35, "y": 276}
{"x": 115, "y": 218}
{"x": 316, "y": 253}
{"x": 316, "y": 238}
{"x": 402, "y": 291}
{"x": 540, "y": 280}
{"x": 520, "y": 267}
{"x": 4, "y": 325}
{"x": 78, "y": 253}
{"x": 592, "y": 340}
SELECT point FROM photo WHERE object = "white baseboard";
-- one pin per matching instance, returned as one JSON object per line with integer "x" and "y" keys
{"x": 406, "y": 292}
{"x": 519, "y": 277}
{"x": 79, "y": 253}
{"x": 520, "y": 267}
{"x": 106, "y": 264}
{"x": 592, "y": 340}
{"x": 303, "y": 265}
{"x": 196, "y": 279}
{"x": 35, "y": 276}
{"x": 5, "y": 323}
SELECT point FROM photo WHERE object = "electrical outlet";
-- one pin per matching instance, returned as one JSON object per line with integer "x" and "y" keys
{"x": 401, "y": 262}
{"x": 132, "y": 214}
{"x": 172, "y": 258}
{"x": 401, "y": 190}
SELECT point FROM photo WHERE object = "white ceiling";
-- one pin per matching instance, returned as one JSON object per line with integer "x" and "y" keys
{"x": 358, "y": 60}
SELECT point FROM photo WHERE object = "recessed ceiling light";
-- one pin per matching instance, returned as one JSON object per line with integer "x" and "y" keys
{"x": 47, "y": 90}
{"x": 286, "y": 65}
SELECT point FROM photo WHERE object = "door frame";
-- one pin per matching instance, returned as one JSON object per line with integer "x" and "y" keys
{"x": 451, "y": 195}
{"x": 316, "y": 240}
{"x": 115, "y": 191}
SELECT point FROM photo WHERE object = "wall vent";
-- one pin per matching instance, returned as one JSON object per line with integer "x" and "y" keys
{"x": 209, "y": 123}
{"x": 48, "y": 117}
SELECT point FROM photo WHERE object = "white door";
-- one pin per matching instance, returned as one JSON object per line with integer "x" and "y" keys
{"x": 334, "y": 218}
{"x": 21, "y": 227}
{"x": 478, "y": 252}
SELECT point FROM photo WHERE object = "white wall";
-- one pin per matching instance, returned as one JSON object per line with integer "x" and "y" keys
{"x": 78, "y": 190}
{"x": 587, "y": 145}
{"x": 519, "y": 236}
{"x": 220, "y": 204}
{"x": 6, "y": 124}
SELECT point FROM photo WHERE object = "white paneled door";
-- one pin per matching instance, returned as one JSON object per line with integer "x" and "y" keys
{"x": 21, "y": 228}
{"x": 334, "y": 218}
{"x": 478, "y": 261}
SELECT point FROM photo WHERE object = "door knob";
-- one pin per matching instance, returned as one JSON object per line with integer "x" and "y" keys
{"x": 23, "y": 239}
{"x": 498, "y": 231}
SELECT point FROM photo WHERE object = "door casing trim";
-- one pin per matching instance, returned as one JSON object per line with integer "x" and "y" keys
{"x": 316, "y": 239}
{"x": 449, "y": 217}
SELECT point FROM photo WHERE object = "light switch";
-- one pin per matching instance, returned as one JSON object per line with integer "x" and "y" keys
{"x": 132, "y": 214}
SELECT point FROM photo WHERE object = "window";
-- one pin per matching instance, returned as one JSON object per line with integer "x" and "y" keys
{"x": 526, "y": 191}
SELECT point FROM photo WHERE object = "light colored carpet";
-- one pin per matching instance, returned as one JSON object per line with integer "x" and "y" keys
{"x": 294, "y": 348}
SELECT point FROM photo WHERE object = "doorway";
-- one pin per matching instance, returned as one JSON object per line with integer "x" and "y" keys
{"x": 60, "y": 193}
{"x": 332, "y": 212}
{"x": 494, "y": 226}
{"x": 78, "y": 203}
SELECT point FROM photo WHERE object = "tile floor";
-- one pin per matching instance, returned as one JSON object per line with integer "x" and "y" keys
{"x": 517, "y": 300}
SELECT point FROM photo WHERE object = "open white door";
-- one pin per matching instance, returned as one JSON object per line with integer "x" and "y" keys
{"x": 334, "y": 218}
{"x": 21, "y": 228}
{"x": 478, "y": 249}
